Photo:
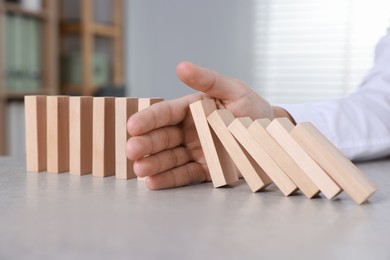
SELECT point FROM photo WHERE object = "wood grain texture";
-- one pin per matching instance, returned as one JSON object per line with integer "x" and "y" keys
{"x": 124, "y": 108}
{"x": 35, "y": 120}
{"x": 342, "y": 170}
{"x": 57, "y": 115}
{"x": 80, "y": 132}
{"x": 103, "y": 147}
{"x": 221, "y": 167}
{"x": 219, "y": 121}
{"x": 258, "y": 131}
{"x": 239, "y": 130}
{"x": 280, "y": 129}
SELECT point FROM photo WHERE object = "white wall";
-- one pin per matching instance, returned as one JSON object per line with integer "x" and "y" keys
{"x": 159, "y": 34}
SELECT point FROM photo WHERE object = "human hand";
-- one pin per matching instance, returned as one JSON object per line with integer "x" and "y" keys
{"x": 164, "y": 143}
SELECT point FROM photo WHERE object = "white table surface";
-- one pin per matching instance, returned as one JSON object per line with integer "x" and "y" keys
{"x": 60, "y": 216}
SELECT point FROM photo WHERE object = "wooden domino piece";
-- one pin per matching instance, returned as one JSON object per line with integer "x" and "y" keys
{"x": 239, "y": 130}
{"x": 57, "y": 116}
{"x": 35, "y": 120}
{"x": 221, "y": 167}
{"x": 124, "y": 108}
{"x": 147, "y": 102}
{"x": 219, "y": 121}
{"x": 80, "y": 133}
{"x": 280, "y": 129}
{"x": 258, "y": 131}
{"x": 342, "y": 170}
{"x": 103, "y": 148}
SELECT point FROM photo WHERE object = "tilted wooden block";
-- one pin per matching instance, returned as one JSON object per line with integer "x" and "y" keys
{"x": 239, "y": 130}
{"x": 342, "y": 170}
{"x": 124, "y": 108}
{"x": 80, "y": 133}
{"x": 258, "y": 131}
{"x": 221, "y": 167}
{"x": 103, "y": 148}
{"x": 280, "y": 129}
{"x": 250, "y": 170}
{"x": 57, "y": 133}
{"x": 35, "y": 119}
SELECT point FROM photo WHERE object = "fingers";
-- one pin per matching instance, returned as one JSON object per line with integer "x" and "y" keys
{"x": 153, "y": 142}
{"x": 161, "y": 114}
{"x": 209, "y": 82}
{"x": 161, "y": 162}
{"x": 186, "y": 174}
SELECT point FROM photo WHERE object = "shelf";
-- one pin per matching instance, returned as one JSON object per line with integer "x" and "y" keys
{"x": 105, "y": 30}
{"x": 17, "y": 9}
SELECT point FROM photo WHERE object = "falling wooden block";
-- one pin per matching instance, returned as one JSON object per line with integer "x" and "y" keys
{"x": 103, "y": 148}
{"x": 239, "y": 130}
{"x": 280, "y": 129}
{"x": 124, "y": 108}
{"x": 258, "y": 131}
{"x": 35, "y": 119}
{"x": 57, "y": 116}
{"x": 144, "y": 103}
{"x": 80, "y": 133}
{"x": 342, "y": 170}
{"x": 221, "y": 167}
{"x": 219, "y": 121}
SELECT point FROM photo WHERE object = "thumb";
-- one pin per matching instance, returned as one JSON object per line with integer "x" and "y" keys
{"x": 213, "y": 84}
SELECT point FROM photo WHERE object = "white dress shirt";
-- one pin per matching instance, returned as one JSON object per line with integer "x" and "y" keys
{"x": 358, "y": 124}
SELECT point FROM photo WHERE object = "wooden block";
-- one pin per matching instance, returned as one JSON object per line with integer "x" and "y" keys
{"x": 221, "y": 167}
{"x": 219, "y": 121}
{"x": 239, "y": 130}
{"x": 258, "y": 131}
{"x": 342, "y": 170}
{"x": 280, "y": 129}
{"x": 103, "y": 147}
{"x": 57, "y": 113}
{"x": 124, "y": 108}
{"x": 144, "y": 103}
{"x": 35, "y": 119}
{"x": 80, "y": 132}
{"x": 147, "y": 102}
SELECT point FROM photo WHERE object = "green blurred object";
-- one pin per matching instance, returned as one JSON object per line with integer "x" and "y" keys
{"x": 71, "y": 69}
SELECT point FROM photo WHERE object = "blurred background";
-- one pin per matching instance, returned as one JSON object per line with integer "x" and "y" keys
{"x": 288, "y": 50}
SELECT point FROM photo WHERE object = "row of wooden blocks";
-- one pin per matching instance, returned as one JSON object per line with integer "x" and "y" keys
{"x": 88, "y": 135}
{"x": 80, "y": 135}
{"x": 292, "y": 157}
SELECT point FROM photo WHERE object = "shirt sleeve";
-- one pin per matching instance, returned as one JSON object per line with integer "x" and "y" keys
{"x": 358, "y": 124}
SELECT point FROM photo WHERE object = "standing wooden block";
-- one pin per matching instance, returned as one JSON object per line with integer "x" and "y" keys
{"x": 80, "y": 132}
{"x": 57, "y": 133}
{"x": 147, "y": 102}
{"x": 258, "y": 131}
{"x": 144, "y": 103}
{"x": 239, "y": 130}
{"x": 103, "y": 147}
{"x": 124, "y": 108}
{"x": 35, "y": 118}
{"x": 342, "y": 170}
{"x": 280, "y": 129}
{"x": 221, "y": 167}
{"x": 219, "y": 121}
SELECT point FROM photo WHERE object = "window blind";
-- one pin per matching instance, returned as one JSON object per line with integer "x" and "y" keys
{"x": 307, "y": 50}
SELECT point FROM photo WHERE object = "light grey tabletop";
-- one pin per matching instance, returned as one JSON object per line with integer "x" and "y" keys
{"x": 60, "y": 216}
